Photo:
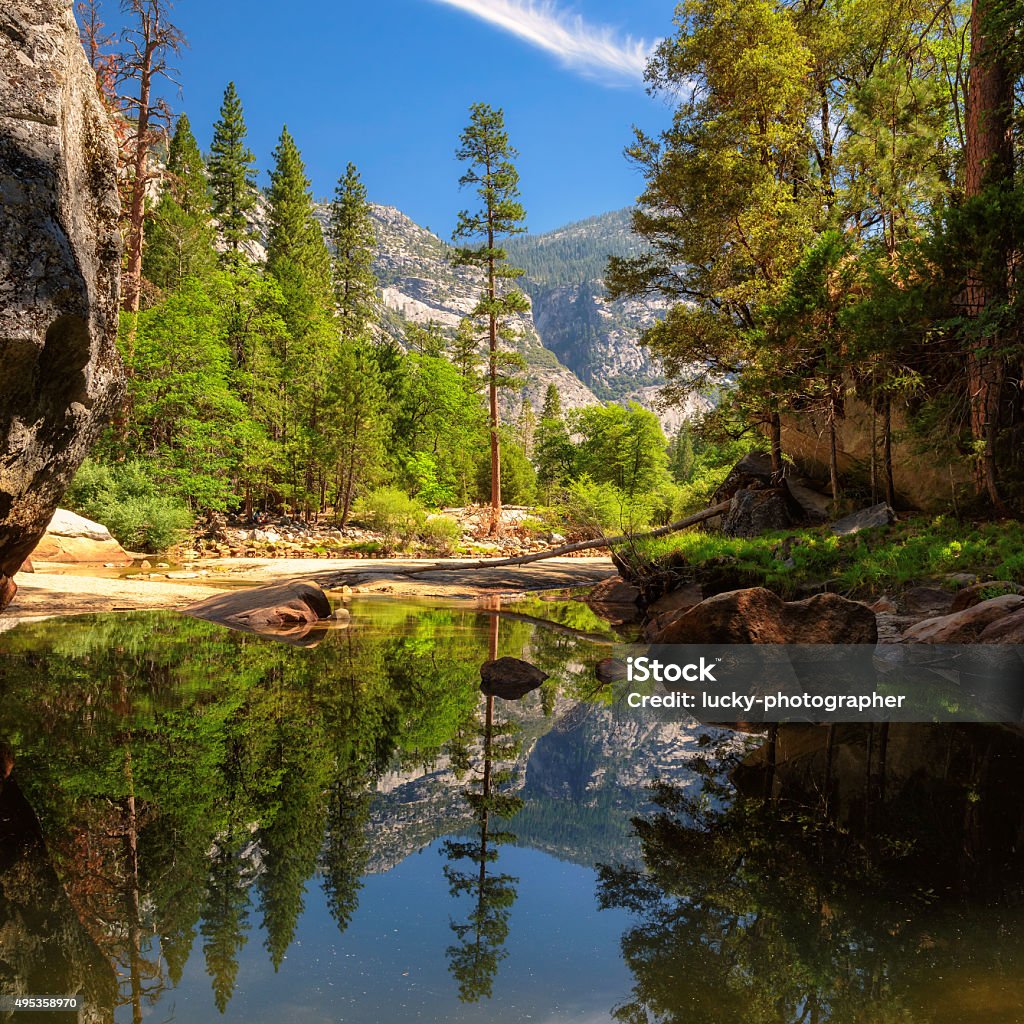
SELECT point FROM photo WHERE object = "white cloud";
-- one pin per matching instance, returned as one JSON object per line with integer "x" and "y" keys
{"x": 595, "y": 50}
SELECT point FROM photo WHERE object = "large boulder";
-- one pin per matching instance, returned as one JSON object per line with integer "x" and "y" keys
{"x": 60, "y": 255}
{"x": 758, "y": 616}
{"x": 753, "y": 511}
{"x": 1008, "y": 629}
{"x": 73, "y": 538}
{"x": 510, "y": 678}
{"x": 967, "y": 626}
{"x": 285, "y": 610}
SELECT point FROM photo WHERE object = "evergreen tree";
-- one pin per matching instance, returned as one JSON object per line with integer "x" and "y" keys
{"x": 351, "y": 235}
{"x": 680, "y": 455}
{"x": 554, "y": 452}
{"x": 552, "y": 409}
{"x": 180, "y": 241}
{"x": 485, "y": 147}
{"x": 232, "y": 174}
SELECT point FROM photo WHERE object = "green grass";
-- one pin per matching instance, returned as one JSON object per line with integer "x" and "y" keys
{"x": 872, "y": 562}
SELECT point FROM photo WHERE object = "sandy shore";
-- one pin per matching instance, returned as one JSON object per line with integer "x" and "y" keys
{"x": 54, "y": 590}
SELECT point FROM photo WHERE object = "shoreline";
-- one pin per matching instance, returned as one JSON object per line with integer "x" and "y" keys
{"x": 57, "y": 590}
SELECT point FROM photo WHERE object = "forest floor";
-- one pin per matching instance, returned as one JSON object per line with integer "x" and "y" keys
{"x": 57, "y": 590}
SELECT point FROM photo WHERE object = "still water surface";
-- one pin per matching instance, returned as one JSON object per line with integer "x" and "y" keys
{"x": 204, "y": 825}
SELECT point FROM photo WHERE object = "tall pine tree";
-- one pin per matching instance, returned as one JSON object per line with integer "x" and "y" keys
{"x": 352, "y": 238}
{"x": 232, "y": 174}
{"x": 180, "y": 241}
{"x": 485, "y": 148}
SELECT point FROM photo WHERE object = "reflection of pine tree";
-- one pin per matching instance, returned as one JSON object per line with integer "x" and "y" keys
{"x": 293, "y": 833}
{"x": 225, "y": 920}
{"x": 346, "y": 850}
{"x": 474, "y": 961}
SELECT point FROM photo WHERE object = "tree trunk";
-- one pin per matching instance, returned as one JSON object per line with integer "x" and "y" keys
{"x": 890, "y": 486}
{"x": 989, "y": 162}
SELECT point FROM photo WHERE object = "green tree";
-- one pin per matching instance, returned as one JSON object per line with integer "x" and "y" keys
{"x": 484, "y": 147}
{"x": 232, "y": 174}
{"x": 680, "y": 455}
{"x": 180, "y": 240}
{"x": 350, "y": 231}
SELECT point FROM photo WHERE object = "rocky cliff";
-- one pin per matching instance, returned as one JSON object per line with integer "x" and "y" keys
{"x": 59, "y": 268}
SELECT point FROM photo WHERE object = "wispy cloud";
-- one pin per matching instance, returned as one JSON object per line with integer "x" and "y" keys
{"x": 595, "y": 50}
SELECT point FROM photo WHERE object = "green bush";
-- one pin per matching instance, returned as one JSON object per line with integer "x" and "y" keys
{"x": 592, "y": 509}
{"x": 127, "y": 500}
{"x": 392, "y": 514}
{"x": 441, "y": 534}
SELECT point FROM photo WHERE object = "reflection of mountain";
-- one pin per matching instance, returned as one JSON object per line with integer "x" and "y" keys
{"x": 582, "y": 779}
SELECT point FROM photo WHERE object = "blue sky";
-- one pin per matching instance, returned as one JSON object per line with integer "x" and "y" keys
{"x": 387, "y": 84}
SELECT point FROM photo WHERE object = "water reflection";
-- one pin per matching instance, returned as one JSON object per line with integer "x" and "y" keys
{"x": 194, "y": 811}
{"x": 831, "y": 888}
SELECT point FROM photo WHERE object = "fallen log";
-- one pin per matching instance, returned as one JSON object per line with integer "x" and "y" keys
{"x": 580, "y": 545}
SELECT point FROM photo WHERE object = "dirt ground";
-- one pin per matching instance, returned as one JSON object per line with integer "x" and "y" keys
{"x": 54, "y": 590}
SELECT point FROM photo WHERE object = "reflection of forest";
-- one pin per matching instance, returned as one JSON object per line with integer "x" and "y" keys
{"x": 191, "y": 781}
{"x": 43, "y": 947}
{"x": 851, "y": 880}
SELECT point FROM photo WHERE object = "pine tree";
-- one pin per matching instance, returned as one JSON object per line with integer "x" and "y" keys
{"x": 552, "y": 409}
{"x": 352, "y": 237}
{"x": 680, "y": 455}
{"x": 180, "y": 242}
{"x": 296, "y": 243}
{"x": 232, "y": 175}
{"x": 484, "y": 146}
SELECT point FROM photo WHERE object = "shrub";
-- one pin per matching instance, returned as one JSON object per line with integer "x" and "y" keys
{"x": 593, "y": 509}
{"x": 441, "y": 534}
{"x": 127, "y": 500}
{"x": 392, "y": 513}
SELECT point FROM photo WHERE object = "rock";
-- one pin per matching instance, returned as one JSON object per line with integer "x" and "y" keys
{"x": 866, "y": 519}
{"x": 59, "y": 268}
{"x": 978, "y": 592}
{"x": 73, "y": 538}
{"x": 1007, "y": 630}
{"x": 341, "y": 615}
{"x": 884, "y": 605}
{"x": 183, "y": 575}
{"x": 145, "y": 564}
{"x": 816, "y": 507}
{"x": 926, "y": 600}
{"x": 286, "y": 610}
{"x": 962, "y": 579}
{"x": 677, "y": 600}
{"x": 615, "y": 600}
{"x": 754, "y": 468}
{"x": 27, "y": 566}
{"x": 757, "y": 616}
{"x": 966, "y": 626}
{"x": 510, "y": 678}
{"x": 753, "y": 512}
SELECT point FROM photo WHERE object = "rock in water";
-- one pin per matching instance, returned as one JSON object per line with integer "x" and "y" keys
{"x": 60, "y": 255}
{"x": 510, "y": 678}
{"x": 285, "y": 611}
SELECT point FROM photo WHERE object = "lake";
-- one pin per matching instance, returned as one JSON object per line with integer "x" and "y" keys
{"x": 205, "y": 825}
